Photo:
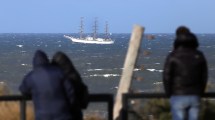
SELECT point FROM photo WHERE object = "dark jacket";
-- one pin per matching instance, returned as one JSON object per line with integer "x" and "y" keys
{"x": 80, "y": 89}
{"x": 185, "y": 70}
{"x": 52, "y": 95}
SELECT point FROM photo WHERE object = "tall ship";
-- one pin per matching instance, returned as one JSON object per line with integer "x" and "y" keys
{"x": 91, "y": 39}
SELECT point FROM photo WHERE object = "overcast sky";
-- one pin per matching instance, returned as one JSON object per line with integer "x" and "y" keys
{"x": 63, "y": 16}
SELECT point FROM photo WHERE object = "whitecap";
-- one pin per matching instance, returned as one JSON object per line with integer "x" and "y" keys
{"x": 24, "y": 64}
{"x": 136, "y": 69}
{"x": 19, "y": 46}
{"x": 109, "y": 75}
{"x": 95, "y": 69}
{"x": 114, "y": 75}
{"x": 154, "y": 70}
{"x": 116, "y": 87}
{"x": 104, "y": 75}
{"x": 158, "y": 83}
{"x": 94, "y": 75}
{"x": 160, "y": 70}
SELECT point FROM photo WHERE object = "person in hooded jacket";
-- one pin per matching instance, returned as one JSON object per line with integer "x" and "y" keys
{"x": 185, "y": 76}
{"x": 52, "y": 94}
{"x": 181, "y": 30}
{"x": 81, "y": 91}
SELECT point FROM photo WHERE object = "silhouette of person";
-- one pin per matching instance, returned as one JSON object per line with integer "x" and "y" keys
{"x": 81, "y": 91}
{"x": 52, "y": 94}
{"x": 185, "y": 77}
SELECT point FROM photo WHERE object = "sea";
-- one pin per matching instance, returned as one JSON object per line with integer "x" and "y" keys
{"x": 100, "y": 66}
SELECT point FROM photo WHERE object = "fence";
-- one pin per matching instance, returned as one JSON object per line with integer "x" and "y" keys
{"x": 98, "y": 98}
{"x": 93, "y": 98}
{"x": 127, "y": 96}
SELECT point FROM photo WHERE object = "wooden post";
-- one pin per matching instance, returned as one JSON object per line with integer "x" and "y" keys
{"x": 129, "y": 65}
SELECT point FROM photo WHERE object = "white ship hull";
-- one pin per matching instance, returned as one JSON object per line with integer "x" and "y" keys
{"x": 90, "y": 40}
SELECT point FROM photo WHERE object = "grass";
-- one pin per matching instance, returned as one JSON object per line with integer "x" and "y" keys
{"x": 10, "y": 110}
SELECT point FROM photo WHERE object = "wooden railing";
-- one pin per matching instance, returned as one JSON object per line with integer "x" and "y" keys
{"x": 108, "y": 98}
{"x": 126, "y": 97}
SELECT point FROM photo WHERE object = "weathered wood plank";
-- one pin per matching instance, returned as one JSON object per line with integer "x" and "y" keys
{"x": 129, "y": 64}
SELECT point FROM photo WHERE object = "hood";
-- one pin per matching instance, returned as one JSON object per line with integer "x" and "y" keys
{"x": 40, "y": 59}
{"x": 188, "y": 40}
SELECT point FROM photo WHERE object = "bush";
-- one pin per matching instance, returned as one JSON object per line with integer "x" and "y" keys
{"x": 159, "y": 109}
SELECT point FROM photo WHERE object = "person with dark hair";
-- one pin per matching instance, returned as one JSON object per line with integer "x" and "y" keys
{"x": 188, "y": 40}
{"x": 81, "y": 91}
{"x": 52, "y": 94}
{"x": 182, "y": 30}
{"x": 185, "y": 76}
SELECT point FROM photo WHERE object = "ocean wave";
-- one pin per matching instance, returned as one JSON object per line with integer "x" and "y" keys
{"x": 105, "y": 75}
{"x": 95, "y": 69}
{"x": 154, "y": 70}
{"x": 98, "y": 69}
{"x": 116, "y": 87}
{"x": 24, "y": 64}
{"x": 136, "y": 69}
{"x": 158, "y": 83}
{"x": 19, "y": 46}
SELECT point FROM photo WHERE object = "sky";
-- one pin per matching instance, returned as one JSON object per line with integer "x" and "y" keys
{"x": 63, "y": 16}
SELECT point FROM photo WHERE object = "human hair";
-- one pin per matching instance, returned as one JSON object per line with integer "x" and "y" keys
{"x": 62, "y": 60}
{"x": 182, "y": 30}
{"x": 188, "y": 40}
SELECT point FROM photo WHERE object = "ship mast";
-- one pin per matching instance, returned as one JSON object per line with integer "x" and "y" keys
{"x": 81, "y": 28}
{"x": 95, "y": 29}
{"x": 106, "y": 30}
